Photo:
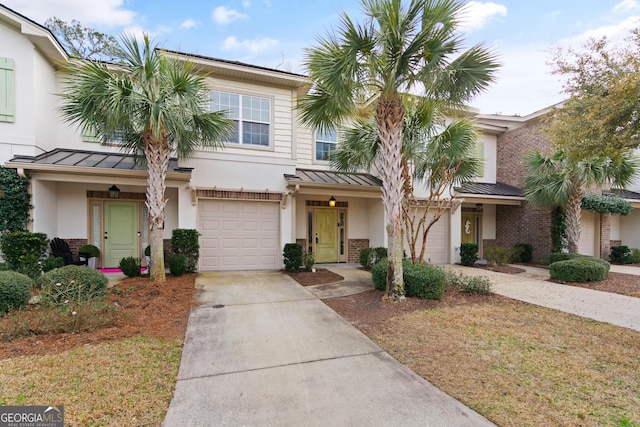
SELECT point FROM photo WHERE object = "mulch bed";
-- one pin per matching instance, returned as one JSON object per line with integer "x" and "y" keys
{"x": 156, "y": 310}
{"x": 322, "y": 276}
{"x": 508, "y": 269}
{"x": 617, "y": 283}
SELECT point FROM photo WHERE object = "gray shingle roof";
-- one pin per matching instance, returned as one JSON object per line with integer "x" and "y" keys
{"x": 625, "y": 194}
{"x": 330, "y": 177}
{"x": 487, "y": 189}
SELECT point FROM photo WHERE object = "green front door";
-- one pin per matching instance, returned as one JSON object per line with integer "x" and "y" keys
{"x": 120, "y": 232}
{"x": 326, "y": 235}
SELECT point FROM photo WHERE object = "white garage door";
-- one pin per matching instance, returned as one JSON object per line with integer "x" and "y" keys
{"x": 239, "y": 235}
{"x": 437, "y": 242}
{"x": 588, "y": 234}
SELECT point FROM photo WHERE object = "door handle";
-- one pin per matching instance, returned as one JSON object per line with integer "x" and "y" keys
{"x": 106, "y": 235}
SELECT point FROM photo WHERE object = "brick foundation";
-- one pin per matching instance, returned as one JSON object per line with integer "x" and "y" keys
{"x": 615, "y": 243}
{"x": 354, "y": 248}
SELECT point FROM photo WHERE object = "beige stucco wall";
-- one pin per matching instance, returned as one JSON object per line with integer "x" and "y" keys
{"x": 629, "y": 230}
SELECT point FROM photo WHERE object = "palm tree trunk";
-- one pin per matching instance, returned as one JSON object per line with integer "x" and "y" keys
{"x": 572, "y": 218}
{"x": 158, "y": 155}
{"x": 390, "y": 119}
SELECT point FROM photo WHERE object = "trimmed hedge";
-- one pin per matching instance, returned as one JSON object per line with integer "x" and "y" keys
{"x": 177, "y": 265}
{"x": 522, "y": 252}
{"x": 581, "y": 269}
{"x": 15, "y": 290}
{"x": 497, "y": 255}
{"x": 371, "y": 256}
{"x": 74, "y": 283}
{"x": 562, "y": 256}
{"x": 621, "y": 255}
{"x": 292, "y": 256}
{"x": 422, "y": 281}
{"x": 130, "y": 266}
{"x": 468, "y": 253}
{"x": 184, "y": 241}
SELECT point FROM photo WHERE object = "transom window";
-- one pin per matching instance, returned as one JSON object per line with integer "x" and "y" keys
{"x": 326, "y": 142}
{"x": 251, "y": 116}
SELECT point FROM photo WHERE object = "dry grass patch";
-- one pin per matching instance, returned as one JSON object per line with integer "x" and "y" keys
{"x": 521, "y": 365}
{"x": 121, "y": 383}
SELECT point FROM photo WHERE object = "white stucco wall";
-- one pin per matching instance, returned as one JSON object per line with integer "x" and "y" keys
{"x": 377, "y": 232}
{"x": 45, "y": 213}
{"x": 488, "y": 221}
{"x": 490, "y": 157}
{"x": 455, "y": 234}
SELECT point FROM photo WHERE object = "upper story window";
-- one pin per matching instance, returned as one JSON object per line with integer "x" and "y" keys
{"x": 7, "y": 90}
{"x": 251, "y": 116}
{"x": 326, "y": 142}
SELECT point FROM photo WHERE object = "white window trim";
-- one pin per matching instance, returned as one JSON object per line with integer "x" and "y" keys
{"x": 315, "y": 146}
{"x": 240, "y": 143}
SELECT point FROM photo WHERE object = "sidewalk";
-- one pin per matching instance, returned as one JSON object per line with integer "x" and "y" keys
{"x": 533, "y": 288}
{"x": 262, "y": 350}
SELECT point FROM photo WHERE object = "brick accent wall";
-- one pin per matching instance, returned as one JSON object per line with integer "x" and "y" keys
{"x": 512, "y": 148}
{"x": 615, "y": 243}
{"x": 75, "y": 245}
{"x": 354, "y": 248}
{"x": 524, "y": 224}
{"x": 605, "y": 236}
{"x": 303, "y": 243}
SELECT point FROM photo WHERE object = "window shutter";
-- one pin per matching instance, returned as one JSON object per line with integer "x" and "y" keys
{"x": 480, "y": 157}
{"x": 7, "y": 90}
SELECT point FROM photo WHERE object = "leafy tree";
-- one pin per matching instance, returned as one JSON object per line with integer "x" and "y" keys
{"x": 435, "y": 154}
{"x": 560, "y": 181}
{"x": 399, "y": 48}
{"x": 84, "y": 42}
{"x": 157, "y": 105}
{"x": 602, "y": 115}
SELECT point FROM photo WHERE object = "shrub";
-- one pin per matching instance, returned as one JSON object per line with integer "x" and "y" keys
{"x": 23, "y": 250}
{"x": 621, "y": 255}
{"x": 177, "y": 265}
{"x": 308, "y": 260}
{"x": 497, "y": 255}
{"x": 185, "y": 242}
{"x": 91, "y": 250}
{"x": 476, "y": 285}
{"x": 4, "y": 266}
{"x": 468, "y": 253}
{"x": 561, "y": 256}
{"x": 147, "y": 250}
{"x": 582, "y": 269}
{"x": 130, "y": 266}
{"x": 522, "y": 252}
{"x": 379, "y": 275}
{"x": 424, "y": 281}
{"x": 52, "y": 263}
{"x": 292, "y": 255}
{"x": 371, "y": 256}
{"x": 635, "y": 256}
{"x": 15, "y": 290}
{"x": 74, "y": 283}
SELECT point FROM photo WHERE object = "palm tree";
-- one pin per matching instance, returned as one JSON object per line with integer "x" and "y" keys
{"x": 560, "y": 181}
{"x": 156, "y": 105}
{"x": 398, "y": 49}
{"x": 436, "y": 154}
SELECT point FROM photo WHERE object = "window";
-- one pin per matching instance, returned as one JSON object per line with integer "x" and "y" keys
{"x": 326, "y": 142}
{"x": 90, "y": 135}
{"x": 251, "y": 116}
{"x": 480, "y": 157}
{"x": 7, "y": 90}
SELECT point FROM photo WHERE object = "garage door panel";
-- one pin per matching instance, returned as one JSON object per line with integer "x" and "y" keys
{"x": 239, "y": 234}
{"x": 437, "y": 241}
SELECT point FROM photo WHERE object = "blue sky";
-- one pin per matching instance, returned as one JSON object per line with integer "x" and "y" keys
{"x": 273, "y": 33}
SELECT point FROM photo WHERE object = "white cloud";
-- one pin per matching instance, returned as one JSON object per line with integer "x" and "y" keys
{"x": 477, "y": 15}
{"x": 138, "y": 32}
{"x": 252, "y": 46}
{"x": 626, "y": 6}
{"x": 87, "y": 12}
{"x": 613, "y": 32}
{"x": 189, "y": 23}
{"x": 246, "y": 3}
{"x": 223, "y": 15}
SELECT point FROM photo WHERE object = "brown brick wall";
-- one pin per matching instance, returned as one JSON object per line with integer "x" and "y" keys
{"x": 512, "y": 148}
{"x": 523, "y": 224}
{"x": 616, "y": 243}
{"x": 303, "y": 243}
{"x": 355, "y": 246}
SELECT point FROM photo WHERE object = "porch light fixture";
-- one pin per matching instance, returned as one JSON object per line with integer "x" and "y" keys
{"x": 332, "y": 202}
{"x": 479, "y": 207}
{"x": 114, "y": 192}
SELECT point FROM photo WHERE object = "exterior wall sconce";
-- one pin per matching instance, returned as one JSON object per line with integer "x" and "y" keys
{"x": 114, "y": 192}
{"x": 332, "y": 202}
{"x": 479, "y": 207}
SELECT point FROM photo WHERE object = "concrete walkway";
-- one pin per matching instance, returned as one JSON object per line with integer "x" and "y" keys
{"x": 262, "y": 350}
{"x": 533, "y": 288}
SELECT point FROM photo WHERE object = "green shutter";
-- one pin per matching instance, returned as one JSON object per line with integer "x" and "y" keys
{"x": 7, "y": 90}
{"x": 89, "y": 135}
{"x": 480, "y": 156}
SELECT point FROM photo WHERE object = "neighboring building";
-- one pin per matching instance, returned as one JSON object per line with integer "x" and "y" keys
{"x": 270, "y": 185}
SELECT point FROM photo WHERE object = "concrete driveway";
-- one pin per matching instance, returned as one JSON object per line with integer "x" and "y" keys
{"x": 261, "y": 350}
